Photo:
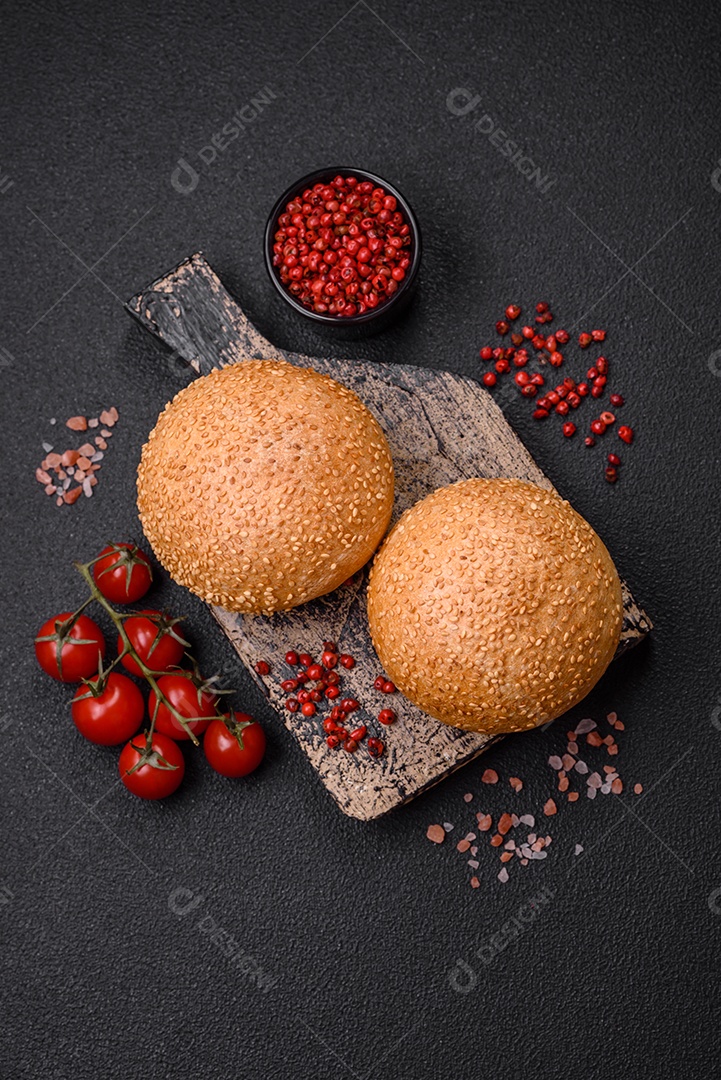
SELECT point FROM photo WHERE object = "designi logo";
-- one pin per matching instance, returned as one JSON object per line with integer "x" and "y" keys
{"x": 185, "y": 177}
{"x": 716, "y": 177}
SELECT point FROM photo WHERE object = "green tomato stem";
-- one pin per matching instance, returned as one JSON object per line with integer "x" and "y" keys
{"x": 149, "y": 674}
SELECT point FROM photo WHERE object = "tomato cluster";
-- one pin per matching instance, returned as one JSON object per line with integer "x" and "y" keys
{"x": 108, "y": 707}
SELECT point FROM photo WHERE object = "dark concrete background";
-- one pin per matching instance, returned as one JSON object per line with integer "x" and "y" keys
{"x": 359, "y": 927}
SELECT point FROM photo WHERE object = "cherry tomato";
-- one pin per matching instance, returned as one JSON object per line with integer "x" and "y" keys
{"x": 162, "y": 772}
{"x": 110, "y": 716}
{"x": 69, "y": 654}
{"x": 237, "y": 752}
{"x": 190, "y": 700}
{"x": 156, "y": 640}
{"x": 124, "y": 574}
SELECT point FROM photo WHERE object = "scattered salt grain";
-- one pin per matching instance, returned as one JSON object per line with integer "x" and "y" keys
{"x": 555, "y": 762}
{"x": 503, "y": 875}
{"x": 581, "y": 767}
{"x": 467, "y": 797}
{"x": 527, "y": 819}
{"x": 475, "y": 882}
{"x": 490, "y": 776}
{"x": 578, "y": 849}
{"x": 436, "y": 834}
{"x": 591, "y": 792}
{"x": 549, "y": 808}
{"x": 637, "y": 789}
{"x": 447, "y": 826}
{"x": 74, "y": 466}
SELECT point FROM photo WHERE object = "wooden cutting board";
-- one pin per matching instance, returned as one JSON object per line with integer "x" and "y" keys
{"x": 441, "y": 428}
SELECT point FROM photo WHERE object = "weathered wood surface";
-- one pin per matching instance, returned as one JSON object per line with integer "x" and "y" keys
{"x": 441, "y": 428}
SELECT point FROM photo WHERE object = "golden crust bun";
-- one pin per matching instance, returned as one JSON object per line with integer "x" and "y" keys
{"x": 264, "y": 485}
{"x": 494, "y": 606}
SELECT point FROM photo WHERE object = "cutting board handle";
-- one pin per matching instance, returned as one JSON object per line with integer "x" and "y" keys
{"x": 191, "y": 311}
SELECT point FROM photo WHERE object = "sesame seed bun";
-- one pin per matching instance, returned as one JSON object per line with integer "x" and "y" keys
{"x": 264, "y": 485}
{"x": 494, "y": 606}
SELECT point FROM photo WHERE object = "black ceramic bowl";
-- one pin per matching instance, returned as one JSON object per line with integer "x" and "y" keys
{"x": 368, "y": 322}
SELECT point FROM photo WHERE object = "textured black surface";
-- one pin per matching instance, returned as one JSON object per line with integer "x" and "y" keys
{"x": 358, "y": 926}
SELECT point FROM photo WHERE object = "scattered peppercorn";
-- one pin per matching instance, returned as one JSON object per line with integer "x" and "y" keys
{"x": 569, "y": 395}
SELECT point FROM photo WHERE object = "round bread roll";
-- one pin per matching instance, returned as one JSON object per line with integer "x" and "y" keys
{"x": 494, "y": 606}
{"x": 264, "y": 485}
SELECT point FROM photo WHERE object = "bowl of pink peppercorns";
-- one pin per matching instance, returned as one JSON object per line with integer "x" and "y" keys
{"x": 343, "y": 247}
